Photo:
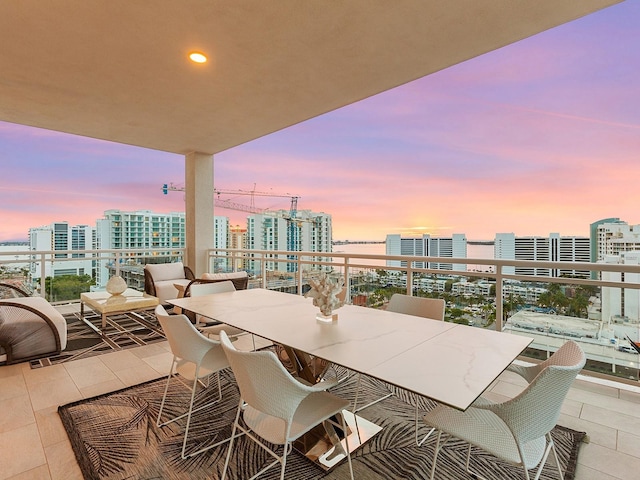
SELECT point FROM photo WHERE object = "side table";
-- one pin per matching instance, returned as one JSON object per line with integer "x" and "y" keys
{"x": 105, "y": 304}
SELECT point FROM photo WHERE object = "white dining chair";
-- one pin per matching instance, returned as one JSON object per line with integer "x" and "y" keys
{"x": 517, "y": 430}
{"x": 213, "y": 331}
{"x": 276, "y": 408}
{"x": 432, "y": 308}
{"x": 195, "y": 357}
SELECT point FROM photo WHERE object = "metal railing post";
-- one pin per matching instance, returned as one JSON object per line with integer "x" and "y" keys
{"x": 499, "y": 298}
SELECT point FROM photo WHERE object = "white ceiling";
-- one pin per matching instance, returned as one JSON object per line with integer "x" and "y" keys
{"x": 118, "y": 69}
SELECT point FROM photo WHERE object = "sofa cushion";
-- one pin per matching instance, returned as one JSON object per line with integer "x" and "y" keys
{"x": 27, "y": 333}
{"x": 223, "y": 276}
{"x": 166, "y": 289}
{"x": 165, "y": 271}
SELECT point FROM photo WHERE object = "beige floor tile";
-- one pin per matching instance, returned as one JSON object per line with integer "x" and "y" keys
{"x": 12, "y": 451}
{"x": 611, "y": 418}
{"x": 585, "y": 473}
{"x": 599, "y": 434}
{"x": 34, "y": 376}
{"x": 82, "y": 362}
{"x": 629, "y": 443}
{"x": 102, "y": 388}
{"x": 13, "y": 386}
{"x": 571, "y": 407}
{"x": 54, "y": 393}
{"x": 50, "y": 426}
{"x": 151, "y": 350}
{"x": 122, "y": 360}
{"x": 38, "y": 473}
{"x": 609, "y": 462}
{"x": 161, "y": 363}
{"x": 633, "y": 397}
{"x": 87, "y": 374}
{"x": 62, "y": 462}
{"x": 10, "y": 370}
{"x": 15, "y": 412}
{"x": 140, "y": 374}
{"x": 594, "y": 386}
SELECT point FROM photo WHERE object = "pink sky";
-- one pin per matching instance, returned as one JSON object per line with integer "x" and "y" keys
{"x": 541, "y": 136}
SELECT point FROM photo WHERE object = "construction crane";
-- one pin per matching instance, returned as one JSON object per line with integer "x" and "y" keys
{"x": 293, "y": 222}
{"x": 226, "y": 203}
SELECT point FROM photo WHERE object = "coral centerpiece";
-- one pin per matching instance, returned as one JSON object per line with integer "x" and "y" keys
{"x": 327, "y": 296}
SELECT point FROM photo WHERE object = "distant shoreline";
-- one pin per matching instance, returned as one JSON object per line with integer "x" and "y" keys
{"x": 362, "y": 242}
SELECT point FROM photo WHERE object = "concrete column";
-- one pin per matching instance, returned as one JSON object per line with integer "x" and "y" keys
{"x": 199, "y": 210}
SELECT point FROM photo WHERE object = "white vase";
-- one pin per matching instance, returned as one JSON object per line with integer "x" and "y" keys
{"x": 116, "y": 285}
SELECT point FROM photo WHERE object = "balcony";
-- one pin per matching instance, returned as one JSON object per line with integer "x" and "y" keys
{"x": 604, "y": 401}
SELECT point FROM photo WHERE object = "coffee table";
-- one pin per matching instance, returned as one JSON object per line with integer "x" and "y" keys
{"x": 105, "y": 304}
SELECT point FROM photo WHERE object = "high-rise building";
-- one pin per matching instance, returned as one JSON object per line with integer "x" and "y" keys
{"x": 63, "y": 239}
{"x": 616, "y": 238}
{"x": 307, "y": 231}
{"x": 554, "y": 248}
{"x": 238, "y": 241}
{"x": 621, "y": 306}
{"x": 427, "y": 246}
{"x": 164, "y": 233}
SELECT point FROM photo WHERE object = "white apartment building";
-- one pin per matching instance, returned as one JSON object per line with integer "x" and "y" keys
{"x": 616, "y": 238}
{"x": 467, "y": 289}
{"x": 307, "y": 231}
{"x": 61, "y": 237}
{"x": 238, "y": 241}
{"x": 621, "y": 306}
{"x": 554, "y": 248}
{"x": 146, "y": 230}
{"x": 427, "y": 246}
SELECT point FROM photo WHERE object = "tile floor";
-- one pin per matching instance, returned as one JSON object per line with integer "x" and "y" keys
{"x": 34, "y": 445}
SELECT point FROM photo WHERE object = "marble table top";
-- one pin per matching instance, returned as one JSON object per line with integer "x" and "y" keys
{"x": 450, "y": 363}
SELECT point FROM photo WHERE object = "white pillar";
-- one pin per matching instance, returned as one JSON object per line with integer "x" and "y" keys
{"x": 198, "y": 210}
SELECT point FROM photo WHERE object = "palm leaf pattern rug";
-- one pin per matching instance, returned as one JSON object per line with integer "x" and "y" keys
{"x": 114, "y": 436}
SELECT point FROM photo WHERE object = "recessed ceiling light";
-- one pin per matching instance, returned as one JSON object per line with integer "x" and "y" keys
{"x": 198, "y": 57}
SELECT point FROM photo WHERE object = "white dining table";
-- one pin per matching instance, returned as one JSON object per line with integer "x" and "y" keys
{"x": 447, "y": 362}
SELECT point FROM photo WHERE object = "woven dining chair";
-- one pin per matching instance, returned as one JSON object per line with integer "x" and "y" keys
{"x": 195, "y": 357}
{"x": 275, "y": 407}
{"x": 213, "y": 331}
{"x": 518, "y": 430}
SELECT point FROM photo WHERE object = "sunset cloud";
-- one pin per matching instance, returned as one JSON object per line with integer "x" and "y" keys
{"x": 537, "y": 137}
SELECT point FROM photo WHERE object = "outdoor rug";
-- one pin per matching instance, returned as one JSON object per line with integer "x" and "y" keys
{"x": 114, "y": 436}
{"x": 123, "y": 331}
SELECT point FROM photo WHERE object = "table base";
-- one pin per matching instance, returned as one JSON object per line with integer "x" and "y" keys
{"x": 320, "y": 449}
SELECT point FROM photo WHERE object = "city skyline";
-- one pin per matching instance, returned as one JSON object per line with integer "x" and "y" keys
{"x": 541, "y": 136}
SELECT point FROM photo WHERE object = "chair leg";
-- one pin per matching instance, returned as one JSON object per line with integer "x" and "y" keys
{"x": 164, "y": 396}
{"x": 357, "y": 409}
{"x": 233, "y": 437}
{"x": 550, "y": 448}
{"x": 555, "y": 456}
{"x": 190, "y": 411}
{"x": 284, "y": 460}
{"x": 436, "y": 450}
{"x": 419, "y": 443}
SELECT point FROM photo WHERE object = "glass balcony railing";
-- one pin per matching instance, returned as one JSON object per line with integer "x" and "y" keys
{"x": 596, "y": 304}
